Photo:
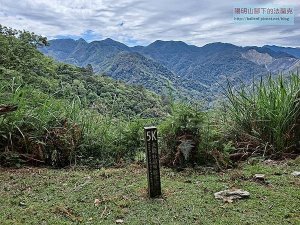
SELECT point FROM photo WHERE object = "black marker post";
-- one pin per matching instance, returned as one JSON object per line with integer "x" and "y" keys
{"x": 153, "y": 173}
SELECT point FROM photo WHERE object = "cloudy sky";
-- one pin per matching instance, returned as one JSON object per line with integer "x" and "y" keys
{"x": 140, "y": 22}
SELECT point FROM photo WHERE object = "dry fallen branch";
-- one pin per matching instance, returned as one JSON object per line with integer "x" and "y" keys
{"x": 239, "y": 156}
{"x": 31, "y": 157}
{"x": 7, "y": 108}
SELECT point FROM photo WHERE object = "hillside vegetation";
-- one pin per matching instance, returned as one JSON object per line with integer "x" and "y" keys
{"x": 63, "y": 110}
{"x": 57, "y": 114}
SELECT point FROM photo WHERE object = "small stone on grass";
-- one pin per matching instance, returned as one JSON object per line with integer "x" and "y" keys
{"x": 231, "y": 194}
{"x": 296, "y": 173}
{"x": 118, "y": 221}
{"x": 260, "y": 177}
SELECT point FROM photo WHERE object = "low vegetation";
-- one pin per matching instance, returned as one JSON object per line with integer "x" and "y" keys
{"x": 103, "y": 196}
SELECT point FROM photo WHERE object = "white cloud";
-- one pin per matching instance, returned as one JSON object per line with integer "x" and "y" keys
{"x": 196, "y": 22}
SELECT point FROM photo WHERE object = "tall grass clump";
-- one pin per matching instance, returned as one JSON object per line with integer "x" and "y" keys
{"x": 42, "y": 129}
{"x": 109, "y": 141}
{"x": 265, "y": 117}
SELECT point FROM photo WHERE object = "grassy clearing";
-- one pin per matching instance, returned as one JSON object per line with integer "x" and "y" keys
{"x": 47, "y": 196}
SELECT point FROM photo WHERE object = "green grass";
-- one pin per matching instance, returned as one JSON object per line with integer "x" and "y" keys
{"x": 47, "y": 196}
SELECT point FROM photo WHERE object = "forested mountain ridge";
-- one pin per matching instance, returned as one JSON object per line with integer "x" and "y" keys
{"x": 22, "y": 64}
{"x": 192, "y": 71}
{"x": 118, "y": 61}
{"x": 289, "y": 50}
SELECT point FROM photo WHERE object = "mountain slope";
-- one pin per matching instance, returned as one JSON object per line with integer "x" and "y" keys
{"x": 191, "y": 70}
{"x": 57, "y": 114}
{"x": 116, "y": 60}
{"x": 214, "y": 63}
{"x": 24, "y": 66}
{"x": 291, "y": 51}
{"x": 134, "y": 68}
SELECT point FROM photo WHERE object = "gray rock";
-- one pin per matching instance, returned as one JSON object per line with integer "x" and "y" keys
{"x": 231, "y": 194}
{"x": 296, "y": 173}
{"x": 260, "y": 177}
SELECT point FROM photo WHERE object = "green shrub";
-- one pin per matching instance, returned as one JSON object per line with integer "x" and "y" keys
{"x": 180, "y": 135}
{"x": 214, "y": 147}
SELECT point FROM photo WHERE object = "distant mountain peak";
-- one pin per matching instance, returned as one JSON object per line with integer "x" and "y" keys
{"x": 81, "y": 40}
{"x": 174, "y": 47}
{"x": 161, "y": 42}
{"x": 111, "y": 42}
{"x": 289, "y": 50}
{"x": 220, "y": 44}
